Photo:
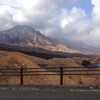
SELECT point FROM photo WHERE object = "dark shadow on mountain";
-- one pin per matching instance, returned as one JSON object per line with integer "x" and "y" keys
{"x": 38, "y": 52}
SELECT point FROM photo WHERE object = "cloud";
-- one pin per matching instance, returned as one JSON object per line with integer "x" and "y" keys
{"x": 94, "y": 37}
{"x": 33, "y": 12}
{"x": 14, "y": 3}
{"x": 69, "y": 18}
{"x": 96, "y": 11}
{"x": 5, "y": 17}
{"x": 70, "y": 22}
{"x": 36, "y": 12}
{"x": 57, "y": 18}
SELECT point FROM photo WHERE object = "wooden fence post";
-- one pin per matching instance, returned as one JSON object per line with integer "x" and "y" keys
{"x": 61, "y": 75}
{"x": 21, "y": 76}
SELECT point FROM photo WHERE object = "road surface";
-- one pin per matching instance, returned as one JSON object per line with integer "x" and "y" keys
{"x": 49, "y": 93}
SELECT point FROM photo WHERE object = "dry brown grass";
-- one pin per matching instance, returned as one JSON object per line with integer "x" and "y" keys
{"x": 15, "y": 59}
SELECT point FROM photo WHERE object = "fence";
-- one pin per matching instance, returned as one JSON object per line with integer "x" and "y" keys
{"x": 61, "y": 71}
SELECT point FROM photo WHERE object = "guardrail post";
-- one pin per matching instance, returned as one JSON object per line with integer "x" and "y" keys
{"x": 21, "y": 76}
{"x": 61, "y": 75}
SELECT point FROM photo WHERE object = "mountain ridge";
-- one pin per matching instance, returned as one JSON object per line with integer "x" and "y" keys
{"x": 79, "y": 45}
{"x": 25, "y": 36}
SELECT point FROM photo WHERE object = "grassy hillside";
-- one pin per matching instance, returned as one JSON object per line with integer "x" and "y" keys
{"x": 15, "y": 59}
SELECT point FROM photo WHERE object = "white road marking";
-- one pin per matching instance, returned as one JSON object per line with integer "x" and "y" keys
{"x": 4, "y": 88}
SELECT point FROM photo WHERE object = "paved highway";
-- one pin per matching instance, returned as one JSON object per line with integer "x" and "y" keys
{"x": 49, "y": 93}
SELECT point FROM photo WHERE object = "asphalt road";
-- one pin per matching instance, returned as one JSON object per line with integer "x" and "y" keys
{"x": 49, "y": 93}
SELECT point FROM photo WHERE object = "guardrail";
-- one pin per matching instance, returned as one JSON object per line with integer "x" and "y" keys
{"x": 61, "y": 71}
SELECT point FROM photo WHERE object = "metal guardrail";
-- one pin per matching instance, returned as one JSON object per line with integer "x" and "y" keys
{"x": 61, "y": 71}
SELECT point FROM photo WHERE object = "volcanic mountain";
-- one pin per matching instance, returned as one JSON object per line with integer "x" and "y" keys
{"x": 25, "y": 36}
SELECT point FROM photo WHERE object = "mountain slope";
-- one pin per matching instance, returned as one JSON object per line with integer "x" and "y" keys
{"x": 78, "y": 45}
{"x": 25, "y": 36}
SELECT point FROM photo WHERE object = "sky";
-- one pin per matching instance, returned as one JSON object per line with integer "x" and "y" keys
{"x": 70, "y": 19}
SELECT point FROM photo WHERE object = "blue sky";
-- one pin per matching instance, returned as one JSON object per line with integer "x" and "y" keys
{"x": 70, "y": 19}
{"x": 86, "y": 5}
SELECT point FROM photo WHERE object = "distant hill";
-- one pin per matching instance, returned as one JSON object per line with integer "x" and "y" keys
{"x": 78, "y": 45}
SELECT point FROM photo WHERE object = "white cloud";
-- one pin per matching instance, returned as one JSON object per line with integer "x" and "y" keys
{"x": 5, "y": 17}
{"x": 34, "y": 12}
{"x": 14, "y": 3}
{"x": 28, "y": 4}
{"x": 71, "y": 22}
{"x": 52, "y": 17}
{"x": 94, "y": 38}
{"x": 96, "y": 11}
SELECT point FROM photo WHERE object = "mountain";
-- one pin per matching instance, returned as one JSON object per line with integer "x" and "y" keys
{"x": 25, "y": 36}
{"x": 78, "y": 45}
